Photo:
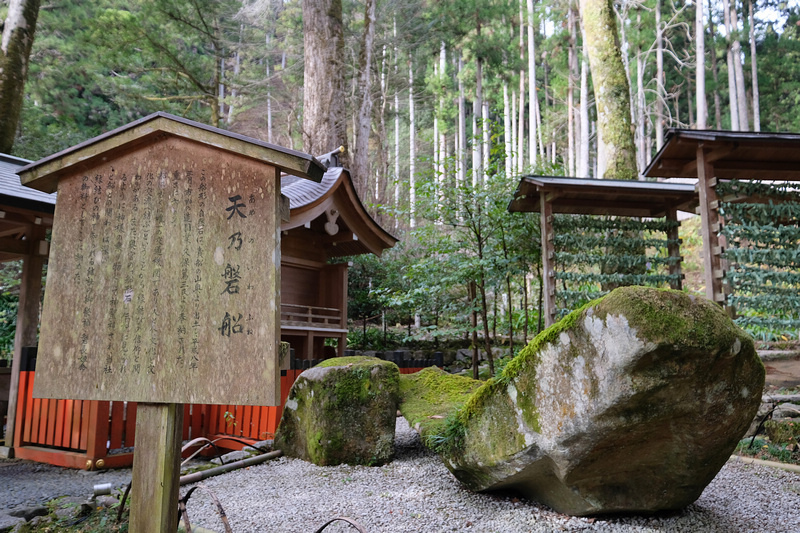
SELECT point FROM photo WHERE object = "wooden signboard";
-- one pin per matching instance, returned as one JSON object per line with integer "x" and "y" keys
{"x": 163, "y": 280}
{"x": 164, "y": 283}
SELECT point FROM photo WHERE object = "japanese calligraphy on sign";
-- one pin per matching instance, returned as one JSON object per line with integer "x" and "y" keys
{"x": 163, "y": 283}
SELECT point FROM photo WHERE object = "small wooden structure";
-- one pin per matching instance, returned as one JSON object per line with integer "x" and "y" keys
{"x": 710, "y": 156}
{"x": 25, "y": 217}
{"x": 550, "y": 194}
{"x": 327, "y": 221}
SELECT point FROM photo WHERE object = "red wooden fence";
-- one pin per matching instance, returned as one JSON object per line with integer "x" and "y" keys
{"x": 91, "y": 434}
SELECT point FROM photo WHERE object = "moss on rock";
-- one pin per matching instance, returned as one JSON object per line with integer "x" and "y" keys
{"x": 342, "y": 411}
{"x": 431, "y": 400}
{"x": 630, "y": 404}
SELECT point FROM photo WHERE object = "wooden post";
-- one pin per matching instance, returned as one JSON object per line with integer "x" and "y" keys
{"x": 548, "y": 267}
{"x": 30, "y": 292}
{"x": 156, "y": 468}
{"x": 674, "y": 250}
{"x": 709, "y": 227}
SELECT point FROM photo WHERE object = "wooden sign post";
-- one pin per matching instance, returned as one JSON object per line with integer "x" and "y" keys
{"x": 163, "y": 285}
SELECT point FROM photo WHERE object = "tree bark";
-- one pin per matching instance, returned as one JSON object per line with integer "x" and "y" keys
{"x": 700, "y": 69}
{"x": 583, "y": 159}
{"x": 754, "y": 70}
{"x": 659, "y": 122}
{"x": 361, "y": 166}
{"x": 324, "y": 112}
{"x": 732, "y": 103}
{"x": 461, "y": 153}
{"x": 611, "y": 90}
{"x": 15, "y": 50}
{"x": 736, "y": 52}
{"x": 715, "y": 73}
{"x": 531, "y": 87}
{"x": 572, "y": 63}
{"x": 412, "y": 149}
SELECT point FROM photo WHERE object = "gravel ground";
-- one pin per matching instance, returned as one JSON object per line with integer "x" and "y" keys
{"x": 28, "y": 484}
{"x": 416, "y": 493}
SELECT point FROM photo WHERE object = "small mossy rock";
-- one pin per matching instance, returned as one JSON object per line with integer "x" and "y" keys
{"x": 430, "y": 399}
{"x": 785, "y": 431}
{"x": 632, "y": 403}
{"x": 342, "y": 411}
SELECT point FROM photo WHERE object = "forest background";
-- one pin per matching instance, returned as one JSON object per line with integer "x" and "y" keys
{"x": 446, "y": 104}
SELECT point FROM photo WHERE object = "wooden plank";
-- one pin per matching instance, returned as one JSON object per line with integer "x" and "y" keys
{"x": 156, "y": 468}
{"x": 238, "y": 427}
{"x": 58, "y": 438}
{"x": 709, "y": 218}
{"x": 548, "y": 249}
{"x": 77, "y": 418}
{"x": 97, "y": 434}
{"x": 23, "y": 405}
{"x": 264, "y": 417}
{"x": 52, "y": 409}
{"x": 36, "y": 415}
{"x": 249, "y": 424}
{"x": 27, "y": 328}
{"x": 187, "y": 421}
{"x": 197, "y": 420}
{"x": 130, "y": 423}
{"x": 117, "y": 425}
{"x": 674, "y": 249}
{"x": 66, "y": 438}
{"x": 212, "y": 423}
{"x": 85, "y": 416}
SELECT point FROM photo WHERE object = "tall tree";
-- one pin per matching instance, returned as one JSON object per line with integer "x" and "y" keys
{"x": 324, "y": 111}
{"x": 611, "y": 89}
{"x": 15, "y": 49}
{"x": 700, "y": 69}
{"x": 361, "y": 167}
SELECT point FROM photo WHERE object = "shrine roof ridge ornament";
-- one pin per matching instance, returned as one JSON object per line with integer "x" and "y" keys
{"x": 44, "y": 174}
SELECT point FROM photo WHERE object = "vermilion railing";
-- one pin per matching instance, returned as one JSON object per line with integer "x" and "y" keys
{"x": 100, "y": 434}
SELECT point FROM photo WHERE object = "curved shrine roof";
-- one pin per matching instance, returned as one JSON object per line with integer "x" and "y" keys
{"x": 334, "y": 200}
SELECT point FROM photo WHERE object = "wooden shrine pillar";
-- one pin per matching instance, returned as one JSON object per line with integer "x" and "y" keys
{"x": 548, "y": 265}
{"x": 30, "y": 293}
{"x": 674, "y": 249}
{"x": 709, "y": 226}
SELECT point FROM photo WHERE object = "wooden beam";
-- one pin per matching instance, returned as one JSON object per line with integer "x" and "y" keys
{"x": 674, "y": 249}
{"x": 30, "y": 292}
{"x": 156, "y": 468}
{"x": 709, "y": 220}
{"x": 548, "y": 252}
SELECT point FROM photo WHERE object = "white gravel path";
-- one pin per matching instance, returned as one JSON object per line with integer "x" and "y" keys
{"x": 416, "y": 493}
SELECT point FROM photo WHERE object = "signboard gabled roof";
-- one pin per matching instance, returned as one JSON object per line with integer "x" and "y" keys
{"x": 44, "y": 174}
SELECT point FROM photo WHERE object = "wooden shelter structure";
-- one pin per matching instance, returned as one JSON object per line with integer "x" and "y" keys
{"x": 710, "y": 156}
{"x": 25, "y": 217}
{"x": 549, "y": 195}
{"x": 327, "y": 221}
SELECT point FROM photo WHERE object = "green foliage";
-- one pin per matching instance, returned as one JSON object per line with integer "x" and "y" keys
{"x": 8, "y": 324}
{"x": 375, "y": 339}
{"x": 596, "y": 253}
{"x": 763, "y": 449}
{"x": 762, "y": 228}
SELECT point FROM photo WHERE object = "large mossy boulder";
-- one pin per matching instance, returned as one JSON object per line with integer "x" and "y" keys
{"x": 630, "y": 404}
{"x": 342, "y": 411}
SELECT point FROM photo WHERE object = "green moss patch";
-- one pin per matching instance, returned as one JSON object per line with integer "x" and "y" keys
{"x": 354, "y": 360}
{"x": 431, "y": 397}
